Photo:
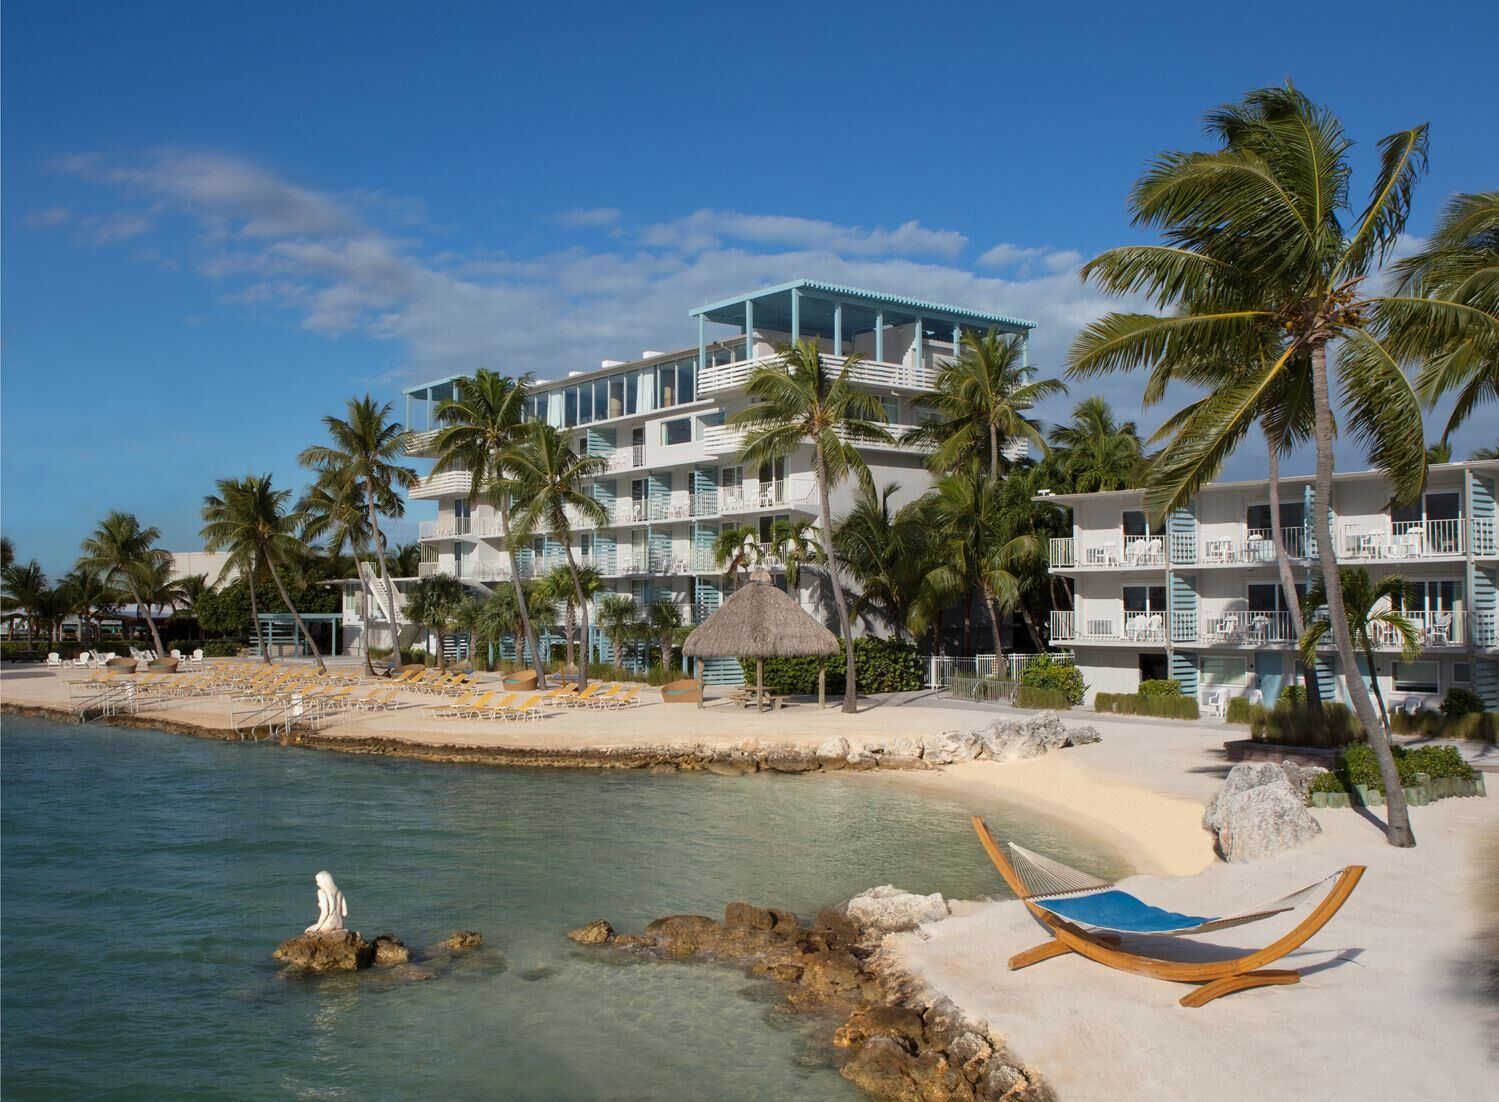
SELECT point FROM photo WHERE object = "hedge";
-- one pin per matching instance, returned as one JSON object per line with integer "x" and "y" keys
{"x": 1140, "y": 704}
{"x": 1462, "y": 702}
{"x": 1170, "y": 687}
{"x": 1356, "y": 764}
{"x": 1240, "y": 710}
{"x": 1032, "y": 696}
{"x": 1331, "y": 727}
{"x": 1481, "y": 727}
{"x": 1045, "y": 672}
{"x": 883, "y": 666}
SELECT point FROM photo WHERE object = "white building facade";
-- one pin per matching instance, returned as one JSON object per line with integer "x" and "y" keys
{"x": 1199, "y": 598}
{"x": 674, "y": 479}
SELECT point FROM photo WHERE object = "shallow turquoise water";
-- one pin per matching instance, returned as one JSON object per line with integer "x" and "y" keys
{"x": 147, "y": 877}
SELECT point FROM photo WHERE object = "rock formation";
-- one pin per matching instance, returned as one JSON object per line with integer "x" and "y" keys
{"x": 887, "y": 909}
{"x": 332, "y": 951}
{"x": 1261, "y": 810}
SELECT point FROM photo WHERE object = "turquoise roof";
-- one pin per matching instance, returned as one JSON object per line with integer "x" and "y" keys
{"x": 772, "y": 309}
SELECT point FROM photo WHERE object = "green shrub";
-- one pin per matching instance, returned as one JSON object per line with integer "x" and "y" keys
{"x": 1331, "y": 727}
{"x": 884, "y": 666}
{"x": 1140, "y": 704}
{"x": 1032, "y": 696}
{"x": 1044, "y": 671}
{"x": 1293, "y": 694}
{"x": 1462, "y": 702}
{"x": 1240, "y": 710}
{"x": 1104, "y": 702}
{"x": 1440, "y": 761}
{"x": 221, "y": 648}
{"x": 1330, "y": 781}
{"x": 1161, "y": 688}
{"x": 1356, "y": 764}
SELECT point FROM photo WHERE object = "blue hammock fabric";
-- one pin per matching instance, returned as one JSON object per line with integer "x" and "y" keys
{"x": 1117, "y": 910}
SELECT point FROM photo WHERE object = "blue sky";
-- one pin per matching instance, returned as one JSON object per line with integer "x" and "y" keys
{"x": 220, "y": 221}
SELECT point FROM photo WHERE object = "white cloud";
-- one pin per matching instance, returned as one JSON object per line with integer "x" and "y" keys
{"x": 709, "y": 229}
{"x": 1005, "y": 254}
{"x": 120, "y": 226}
{"x": 1024, "y": 259}
{"x": 44, "y": 219}
{"x": 589, "y": 216}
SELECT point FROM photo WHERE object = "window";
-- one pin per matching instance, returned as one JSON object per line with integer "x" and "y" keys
{"x": 460, "y": 508}
{"x": 1271, "y": 596}
{"x": 678, "y": 431}
{"x": 731, "y": 480}
{"x": 892, "y": 410}
{"x": 711, "y": 420}
{"x": 1416, "y": 677}
{"x": 1133, "y": 521}
{"x": 570, "y": 407}
{"x": 616, "y": 396}
{"x": 1144, "y": 598}
{"x": 768, "y": 522}
{"x": 1292, "y": 515}
{"x": 1219, "y": 671}
{"x": 1462, "y": 673}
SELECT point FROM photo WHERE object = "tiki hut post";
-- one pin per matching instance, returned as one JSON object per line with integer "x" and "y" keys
{"x": 699, "y": 663}
{"x": 822, "y": 684}
{"x": 759, "y": 621}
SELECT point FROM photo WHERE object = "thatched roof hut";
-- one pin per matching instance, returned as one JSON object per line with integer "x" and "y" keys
{"x": 759, "y": 621}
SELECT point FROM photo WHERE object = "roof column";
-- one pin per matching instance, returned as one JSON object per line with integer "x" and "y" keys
{"x": 957, "y": 340}
{"x": 429, "y": 407}
{"x": 409, "y": 425}
{"x": 749, "y": 329}
{"x": 837, "y": 328}
{"x": 879, "y": 335}
{"x": 796, "y": 315}
{"x": 702, "y": 347}
{"x": 1025, "y": 349}
{"x": 916, "y": 349}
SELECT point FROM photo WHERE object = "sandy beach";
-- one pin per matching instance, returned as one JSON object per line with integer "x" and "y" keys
{"x": 1383, "y": 1006}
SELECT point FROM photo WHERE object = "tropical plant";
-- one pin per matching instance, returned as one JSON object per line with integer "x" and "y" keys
{"x": 982, "y": 403}
{"x": 161, "y": 589}
{"x": 127, "y": 555}
{"x": 1095, "y": 452}
{"x": 249, "y": 519}
{"x": 405, "y": 560}
{"x": 1260, "y": 267}
{"x": 1485, "y": 453}
{"x": 1026, "y": 522}
{"x": 973, "y": 552}
{"x": 796, "y": 543}
{"x": 1371, "y": 605}
{"x": 665, "y": 624}
{"x": 499, "y": 616}
{"x": 334, "y": 512}
{"x": 546, "y": 480}
{"x": 434, "y": 602}
{"x": 736, "y": 549}
{"x": 468, "y": 619}
{"x": 562, "y": 591}
{"x": 25, "y": 588}
{"x": 884, "y": 551}
{"x": 799, "y": 401}
{"x": 360, "y": 464}
{"x": 482, "y": 424}
{"x": 617, "y": 622}
{"x": 1445, "y": 313}
{"x": 92, "y": 597}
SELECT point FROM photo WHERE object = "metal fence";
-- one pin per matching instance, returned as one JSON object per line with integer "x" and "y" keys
{"x": 943, "y": 669}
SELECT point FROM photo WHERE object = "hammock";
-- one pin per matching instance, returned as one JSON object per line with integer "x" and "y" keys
{"x": 1088, "y": 901}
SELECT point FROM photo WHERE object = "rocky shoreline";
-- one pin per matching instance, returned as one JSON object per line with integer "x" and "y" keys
{"x": 1002, "y": 740}
{"x": 895, "y": 1041}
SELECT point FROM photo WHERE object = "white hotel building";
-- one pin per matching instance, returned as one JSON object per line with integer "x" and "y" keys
{"x": 674, "y": 475}
{"x": 1199, "y": 598}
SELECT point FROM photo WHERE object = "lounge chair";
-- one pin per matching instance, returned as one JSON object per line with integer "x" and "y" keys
{"x": 454, "y": 707}
{"x": 626, "y": 699}
{"x": 530, "y": 708}
{"x": 559, "y": 695}
{"x": 1091, "y": 917}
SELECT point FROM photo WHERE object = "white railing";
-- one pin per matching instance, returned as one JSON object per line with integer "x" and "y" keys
{"x": 782, "y": 493}
{"x": 1248, "y": 629}
{"x": 1433, "y": 629}
{"x": 418, "y": 443}
{"x": 1405, "y": 539}
{"x": 447, "y": 528}
{"x": 630, "y": 458}
{"x": 1059, "y": 551}
{"x": 722, "y": 439}
{"x": 1136, "y": 627}
{"x": 447, "y": 484}
{"x": 872, "y": 373}
{"x": 1127, "y": 551}
{"x": 471, "y": 570}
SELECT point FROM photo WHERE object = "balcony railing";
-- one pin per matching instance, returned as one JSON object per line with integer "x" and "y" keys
{"x": 785, "y": 493}
{"x": 1405, "y": 539}
{"x": 447, "y": 484}
{"x": 1248, "y": 629}
{"x": 871, "y": 373}
{"x": 447, "y": 528}
{"x": 1121, "y": 551}
{"x": 419, "y": 443}
{"x": 1133, "y": 627}
{"x": 631, "y": 458}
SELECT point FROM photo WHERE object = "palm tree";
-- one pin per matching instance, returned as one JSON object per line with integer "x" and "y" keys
{"x": 561, "y": 590}
{"x": 617, "y": 621}
{"x": 547, "y": 480}
{"x": 1257, "y": 246}
{"x": 53, "y": 606}
{"x": 434, "y": 602}
{"x": 360, "y": 463}
{"x": 1095, "y": 452}
{"x": 483, "y": 422}
{"x": 1485, "y": 453}
{"x": 161, "y": 590}
{"x": 885, "y": 552}
{"x": 982, "y": 401}
{"x": 92, "y": 597}
{"x": 798, "y": 401}
{"x": 127, "y": 555}
{"x": 26, "y": 588}
{"x": 335, "y": 513}
{"x": 1025, "y": 523}
{"x": 796, "y": 542}
{"x": 737, "y": 548}
{"x": 404, "y": 561}
{"x": 664, "y": 622}
{"x": 1456, "y": 278}
{"x": 248, "y": 518}
{"x": 1370, "y": 605}
{"x": 974, "y": 553}
{"x": 498, "y": 617}
{"x": 7, "y": 552}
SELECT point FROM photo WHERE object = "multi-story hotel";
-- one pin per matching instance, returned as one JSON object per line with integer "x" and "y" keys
{"x": 1199, "y": 598}
{"x": 674, "y": 477}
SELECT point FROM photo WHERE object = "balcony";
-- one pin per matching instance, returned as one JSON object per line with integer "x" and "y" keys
{"x": 1407, "y": 540}
{"x": 447, "y": 484}
{"x": 870, "y": 373}
{"x": 631, "y": 458}
{"x": 472, "y": 570}
{"x": 1109, "y": 553}
{"x": 419, "y": 443}
{"x": 1130, "y": 627}
{"x": 1247, "y": 629}
{"x": 721, "y": 440}
{"x": 798, "y": 492}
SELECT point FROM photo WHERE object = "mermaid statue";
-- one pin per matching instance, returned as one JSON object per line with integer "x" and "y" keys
{"x": 331, "y": 906}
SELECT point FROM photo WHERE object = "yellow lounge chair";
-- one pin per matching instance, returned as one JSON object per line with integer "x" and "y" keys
{"x": 626, "y": 699}
{"x": 530, "y": 708}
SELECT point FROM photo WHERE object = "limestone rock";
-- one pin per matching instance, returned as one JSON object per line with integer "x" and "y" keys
{"x": 999, "y": 1080}
{"x": 1015, "y": 739}
{"x": 970, "y": 1053}
{"x": 835, "y": 929}
{"x": 1241, "y": 778}
{"x": 787, "y": 760}
{"x": 829, "y": 971}
{"x": 746, "y": 916}
{"x": 867, "y": 1022}
{"x": 899, "y": 752}
{"x": 833, "y": 754}
{"x": 887, "y": 908}
{"x": 860, "y": 758}
{"x": 732, "y": 766}
{"x": 1263, "y": 821}
{"x": 596, "y": 932}
{"x": 885, "y": 1069}
{"x": 331, "y": 951}
{"x": 463, "y": 941}
{"x": 684, "y": 935}
{"x": 951, "y": 747}
{"x": 390, "y": 949}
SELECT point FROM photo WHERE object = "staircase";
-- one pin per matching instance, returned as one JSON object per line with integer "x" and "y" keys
{"x": 386, "y": 600}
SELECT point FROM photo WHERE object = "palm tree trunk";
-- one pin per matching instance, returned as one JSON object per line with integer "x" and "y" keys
{"x": 570, "y": 631}
{"x": 265, "y": 651}
{"x": 850, "y": 688}
{"x": 572, "y": 568}
{"x": 378, "y": 538}
{"x": 150, "y": 623}
{"x": 368, "y": 596}
{"x": 527, "y": 630}
{"x": 999, "y": 646}
{"x": 296, "y": 616}
{"x": 993, "y": 452}
{"x": 1398, "y": 832}
{"x": 1384, "y": 714}
{"x": 1283, "y": 562}
{"x": 1032, "y": 628}
{"x": 442, "y": 651}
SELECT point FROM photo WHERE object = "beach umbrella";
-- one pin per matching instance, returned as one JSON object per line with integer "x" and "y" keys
{"x": 759, "y": 621}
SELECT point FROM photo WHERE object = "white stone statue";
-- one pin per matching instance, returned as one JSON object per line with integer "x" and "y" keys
{"x": 331, "y": 906}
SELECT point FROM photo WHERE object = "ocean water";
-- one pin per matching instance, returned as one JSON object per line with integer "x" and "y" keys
{"x": 147, "y": 877}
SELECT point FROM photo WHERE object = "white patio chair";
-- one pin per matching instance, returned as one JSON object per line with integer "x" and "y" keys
{"x": 54, "y": 659}
{"x": 1259, "y": 629}
{"x": 1228, "y": 627}
{"x": 1441, "y": 628}
{"x": 1255, "y": 696}
{"x": 1218, "y": 702}
{"x": 1411, "y": 705}
{"x": 1154, "y": 552}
